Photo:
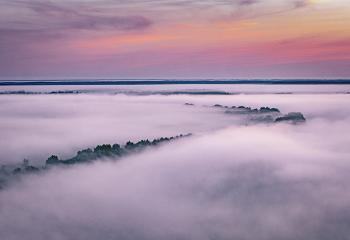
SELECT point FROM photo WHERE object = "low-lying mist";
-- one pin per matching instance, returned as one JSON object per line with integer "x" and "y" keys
{"x": 233, "y": 179}
{"x": 256, "y": 182}
{"x": 37, "y": 126}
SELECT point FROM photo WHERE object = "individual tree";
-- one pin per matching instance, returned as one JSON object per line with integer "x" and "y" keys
{"x": 129, "y": 145}
{"x": 116, "y": 146}
{"x": 25, "y": 162}
{"x": 52, "y": 160}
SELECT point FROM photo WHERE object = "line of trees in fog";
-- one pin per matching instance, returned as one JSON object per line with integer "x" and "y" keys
{"x": 114, "y": 151}
{"x": 269, "y": 115}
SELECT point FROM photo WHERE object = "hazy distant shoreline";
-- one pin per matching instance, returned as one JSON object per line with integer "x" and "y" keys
{"x": 172, "y": 82}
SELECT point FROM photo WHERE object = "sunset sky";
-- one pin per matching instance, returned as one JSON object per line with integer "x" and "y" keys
{"x": 175, "y": 39}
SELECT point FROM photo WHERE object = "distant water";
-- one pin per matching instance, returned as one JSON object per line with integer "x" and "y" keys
{"x": 172, "y": 82}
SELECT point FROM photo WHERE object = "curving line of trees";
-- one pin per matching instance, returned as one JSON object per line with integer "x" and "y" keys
{"x": 114, "y": 151}
{"x": 107, "y": 150}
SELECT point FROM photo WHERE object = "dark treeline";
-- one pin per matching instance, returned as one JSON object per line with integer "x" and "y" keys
{"x": 248, "y": 110}
{"x": 199, "y": 92}
{"x": 264, "y": 114}
{"x": 107, "y": 150}
{"x": 114, "y": 151}
{"x": 29, "y": 92}
{"x": 295, "y": 117}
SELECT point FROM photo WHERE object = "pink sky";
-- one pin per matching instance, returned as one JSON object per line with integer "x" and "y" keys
{"x": 175, "y": 39}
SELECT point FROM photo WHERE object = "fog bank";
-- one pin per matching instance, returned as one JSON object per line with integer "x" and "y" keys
{"x": 257, "y": 182}
{"x": 37, "y": 126}
{"x": 233, "y": 179}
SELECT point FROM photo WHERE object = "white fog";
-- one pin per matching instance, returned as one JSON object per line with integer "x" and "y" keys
{"x": 232, "y": 179}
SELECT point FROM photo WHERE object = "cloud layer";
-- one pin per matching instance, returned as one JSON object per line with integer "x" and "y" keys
{"x": 251, "y": 182}
{"x": 37, "y": 126}
{"x": 262, "y": 181}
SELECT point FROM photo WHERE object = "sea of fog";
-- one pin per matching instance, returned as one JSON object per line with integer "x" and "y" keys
{"x": 234, "y": 178}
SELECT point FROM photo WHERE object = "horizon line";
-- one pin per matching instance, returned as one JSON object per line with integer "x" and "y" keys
{"x": 26, "y": 82}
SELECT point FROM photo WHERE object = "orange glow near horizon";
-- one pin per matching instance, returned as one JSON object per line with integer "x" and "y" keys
{"x": 179, "y": 35}
{"x": 267, "y": 38}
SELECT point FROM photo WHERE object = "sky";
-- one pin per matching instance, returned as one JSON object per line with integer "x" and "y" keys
{"x": 174, "y": 39}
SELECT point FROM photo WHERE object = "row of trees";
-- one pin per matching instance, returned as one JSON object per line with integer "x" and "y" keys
{"x": 114, "y": 151}
{"x": 248, "y": 110}
{"x": 294, "y": 117}
{"x": 107, "y": 150}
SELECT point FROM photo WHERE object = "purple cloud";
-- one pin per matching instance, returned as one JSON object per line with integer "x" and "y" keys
{"x": 299, "y": 4}
{"x": 119, "y": 23}
{"x": 55, "y": 17}
{"x": 247, "y": 2}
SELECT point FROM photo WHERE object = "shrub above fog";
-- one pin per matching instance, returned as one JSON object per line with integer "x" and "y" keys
{"x": 294, "y": 117}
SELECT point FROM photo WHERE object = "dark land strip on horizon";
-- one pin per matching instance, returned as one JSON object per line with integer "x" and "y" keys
{"x": 172, "y": 82}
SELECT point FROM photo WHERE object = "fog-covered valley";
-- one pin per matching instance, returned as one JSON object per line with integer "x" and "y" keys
{"x": 236, "y": 177}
